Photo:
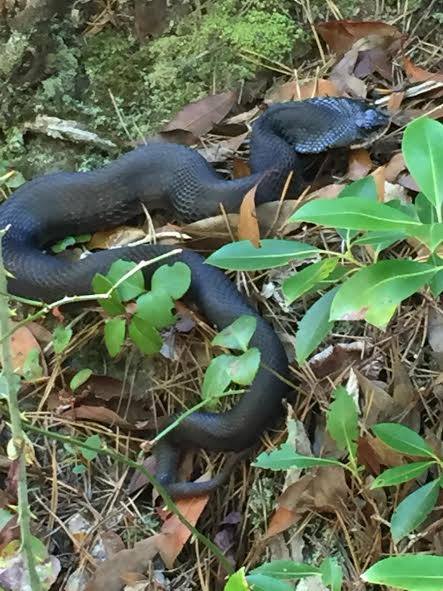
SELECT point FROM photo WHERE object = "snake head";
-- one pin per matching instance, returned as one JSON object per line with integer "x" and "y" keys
{"x": 370, "y": 122}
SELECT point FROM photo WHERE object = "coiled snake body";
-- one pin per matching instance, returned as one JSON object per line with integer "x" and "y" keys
{"x": 176, "y": 178}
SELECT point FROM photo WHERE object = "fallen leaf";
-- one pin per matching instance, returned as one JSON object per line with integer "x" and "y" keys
{"x": 367, "y": 457}
{"x": 379, "y": 178}
{"x": 293, "y": 90}
{"x": 240, "y": 168}
{"x": 120, "y": 236}
{"x": 359, "y": 165}
{"x": 100, "y": 414}
{"x": 340, "y": 35}
{"x": 378, "y": 405}
{"x": 404, "y": 394}
{"x": 247, "y": 224}
{"x": 405, "y": 180}
{"x": 395, "y": 101}
{"x": 199, "y": 117}
{"x": 110, "y": 574}
{"x": 174, "y": 534}
{"x": 42, "y": 334}
{"x": 335, "y": 358}
{"x": 394, "y": 167}
{"x": 342, "y": 75}
{"x": 417, "y": 74}
{"x": 384, "y": 454}
{"x": 23, "y": 342}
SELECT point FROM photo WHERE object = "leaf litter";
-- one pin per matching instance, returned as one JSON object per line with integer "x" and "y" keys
{"x": 392, "y": 377}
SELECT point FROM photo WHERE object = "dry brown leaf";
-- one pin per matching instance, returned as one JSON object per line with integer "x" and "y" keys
{"x": 335, "y": 358}
{"x": 115, "y": 237}
{"x": 100, "y": 414}
{"x": 293, "y": 90}
{"x": 248, "y": 224}
{"x": 367, "y": 457}
{"x": 342, "y": 75}
{"x": 281, "y": 520}
{"x": 174, "y": 534}
{"x": 340, "y": 35}
{"x": 384, "y": 454}
{"x": 22, "y": 343}
{"x": 404, "y": 393}
{"x": 378, "y": 405}
{"x": 42, "y": 334}
{"x": 394, "y": 167}
{"x": 240, "y": 168}
{"x": 111, "y": 574}
{"x": 359, "y": 164}
{"x": 417, "y": 74}
{"x": 395, "y": 101}
{"x": 199, "y": 117}
{"x": 379, "y": 178}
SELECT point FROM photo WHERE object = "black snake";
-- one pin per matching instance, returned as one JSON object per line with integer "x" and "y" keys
{"x": 180, "y": 180}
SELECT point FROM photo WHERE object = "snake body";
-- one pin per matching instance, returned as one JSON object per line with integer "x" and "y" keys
{"x": 180, "y": 180}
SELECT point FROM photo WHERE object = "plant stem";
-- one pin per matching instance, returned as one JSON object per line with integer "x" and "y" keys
{"x": 12, "y": 384}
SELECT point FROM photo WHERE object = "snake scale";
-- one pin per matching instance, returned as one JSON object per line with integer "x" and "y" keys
{"x": 179, "y": 180}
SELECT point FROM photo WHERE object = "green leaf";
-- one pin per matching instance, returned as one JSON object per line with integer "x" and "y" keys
{"x": 61, "y": 337}
{"x": 436, "y": 283}
{"x": 332, "y": 574}
{"x": 285, "y": 458}
{"x": 155, "y": 307}
{"x": 425, "y": 210}
{"x": 143, "y": 335}
{"x": 380, "y": 240}
{"x": 131, "y": 287}
{"x": 38, "y": 549}
{"x": 414, "y": 509}
{"x": 244, "y": 256}
{"x": 237, "y": 581}
{"x": 80, "y": 378}
{"x": 411, "y": 572}
{"x": 112, "y": 305}
{"x": 92, "y": 441}
{"x": 5, "y": 518}
{"x": 314, "y": 326}
{"x": 374, "y": 292}
{"x": 242, "y": 368}
{"x": 304, "y": 280}
{"x": 363, "y": 189}
{"x": 79, "y": 469}
{"x": 62, "y": 245}
{"x": 173, "y": 279}
{"x": 422, "y": 150}
{"x": 286, "y": 570}
{"x": 115, "y": 330}
{"x": 217, "y": 377}
{"x": 342, "y": 421}
{"x": 402, "y": 439}
{"x": 399, "y": 474}
{"x": 32, "y": 370}
{"x": 238, "y": 334}
{"x": 430, "y": 234}
{"x": 354, "y": 213}
{"x": 265, "y": 583}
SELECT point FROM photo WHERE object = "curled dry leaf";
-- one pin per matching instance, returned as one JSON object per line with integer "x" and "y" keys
{"x": 359, "y": 165}
{"x": 336, "y": 358}
{"x": 293, "y": 90}
{"x": 111, "y": 574}
{"x": 417, "y": 74}
{"x": 199, "y": 117}
{"x": 247, "y": 224}
{"x": 341, "y": 35}
{"x": 342, "y": 75}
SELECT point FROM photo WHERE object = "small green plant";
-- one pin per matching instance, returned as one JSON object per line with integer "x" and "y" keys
{"x": 355, "y": 291}
{"x": 87, "y": 453}
{"x": 342, "y": 425}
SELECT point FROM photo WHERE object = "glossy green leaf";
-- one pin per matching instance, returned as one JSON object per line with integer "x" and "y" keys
{"x": 133, "y": 286}
{"x": 380, "y": 240}
{"x": 238, "y": 334}
{"x": 355, "y": 214}
{"x": 286, "y": 570}
{"x": 115, "y": 331}
{"x": 436, "y": 283}
{"x": 5, "y": 518}
{"x": 423, "y": 154}
{"x": 112, "y": 305}
{"x": 285, "y": 457}
{"x": 92, "y": 441}
{"x": 243, "y": 368}
{"x": 79, "y": 469}
{"x": 414, "y": 509}
{"x": 155, "y": 307}
{"x": 80, "y": 378}
{"x": 61, "y": 338}
{"x": 143, "y": 335}
{"x": 217, "y": 378}
{"x": 430, "y": 234}
{"x": 63, "y": 244}
{"x": 399, "y": 474}
{"x": 237, "y": 582}
{"x": 363, "y": 189}
{"x": 307, "y": 278}
{"x": 425, "y": 210}
{"x": 342, "y": 421}
{"x": 402, "y": 439}
{"x": 411, "y": 572}
{"x": 265, "y": 583}
{"x": 244, "y": 256}
{"x": 374, "y": 292}
{"x": 173, "y": 279}
{"x": 331, "y": 574}
{"x": 314, "y": 326}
